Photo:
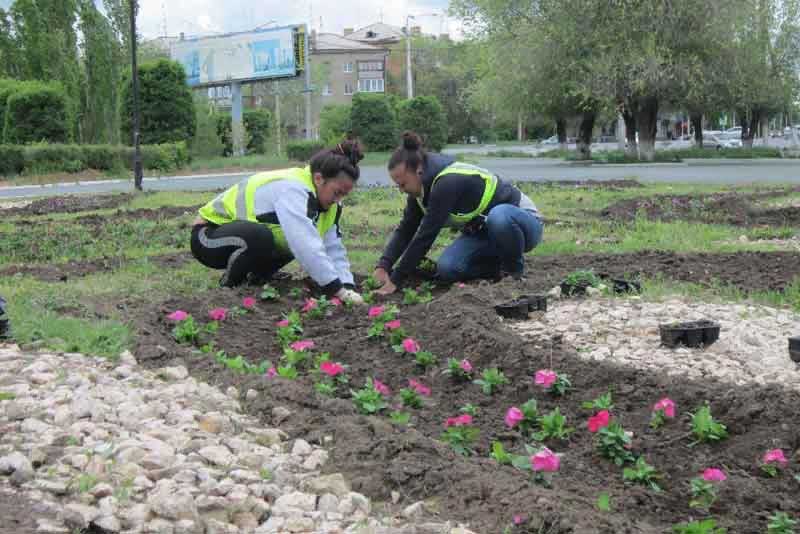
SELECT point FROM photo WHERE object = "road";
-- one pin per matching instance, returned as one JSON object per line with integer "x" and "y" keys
{"x": 733, "y": 172}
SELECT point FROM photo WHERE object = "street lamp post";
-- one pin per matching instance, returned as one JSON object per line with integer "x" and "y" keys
{"x": 409, "y": 77}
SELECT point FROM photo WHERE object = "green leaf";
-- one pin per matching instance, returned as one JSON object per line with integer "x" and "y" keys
{"x": 604, "y": 502}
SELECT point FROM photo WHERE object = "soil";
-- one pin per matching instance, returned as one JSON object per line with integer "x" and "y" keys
{"x": 18, "y": 513}
{"x": 724, "y": 208}
{"x": 594, "y": 184}
{"x": 68, "y": 204}
{"x": 379, "y": 457}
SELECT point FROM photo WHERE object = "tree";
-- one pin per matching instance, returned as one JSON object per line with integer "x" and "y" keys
{"x": 334, "y": 123}
{"x": 166, "y": 107}
{"x": 373, "y": 121}
{"x": 36, "y": 112}
{"x": 424, "y": 115}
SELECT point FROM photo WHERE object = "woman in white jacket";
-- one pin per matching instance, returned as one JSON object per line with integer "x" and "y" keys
{"x": 259, "y": 225}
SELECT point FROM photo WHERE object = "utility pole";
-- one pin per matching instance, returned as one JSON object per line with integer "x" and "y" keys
{"x": 307, "y": 88}
{"x": 137, "y": 154}
{"x": 409, "y": 80}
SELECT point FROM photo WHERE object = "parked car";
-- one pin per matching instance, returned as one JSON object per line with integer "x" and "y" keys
{"x": 720, "y": 140}
{"x": 731, "y": 139}
{"x": 735, "y": 130}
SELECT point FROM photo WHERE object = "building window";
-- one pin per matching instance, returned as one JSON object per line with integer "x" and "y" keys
{"x": 371, "y": 85}
{"x": 348, "y": 67}
{"x": 348, "y": 88}
{"x": 326, "y": 91}
{"x": 370, "y": 66}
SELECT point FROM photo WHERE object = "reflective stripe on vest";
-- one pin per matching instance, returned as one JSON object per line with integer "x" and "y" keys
{"x": 490, "y": 180}
{"x": 237, "y": 203}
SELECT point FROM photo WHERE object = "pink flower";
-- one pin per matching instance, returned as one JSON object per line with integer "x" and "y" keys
{"x": 336, "y": 301}
{"x": 598, "y": 421}
{"x": 461, "y": 420}
{"x": 177, "y": 315}
{"x": 249, "y": 303}
{"x": 392, "y": 325}
{"x": 271, "y": 372}
{"x": 300, "y": 346}
{"x": 462, "y": 285}
{"x": 330, "y": 368}
{"x": 518, "y": 519}
{"x": 513, "y": 416}
{"x": 775, "y": 456}
{"x": 545, "y": 378}
{"x": 375, "y": 311}
{"x": 309, "y": 305}
{"x": 545, "y": 460}
{"x": 419, "y": 388}
{"x": 410, "y": 346}
{"x": 218, "y": 314}
{"x": 667, "y": 406}
{"x": 282, "y": 324}
{"x": 465, "y": 366}
{"x": 713, "y": 474}
{"x": 381, "y": 388}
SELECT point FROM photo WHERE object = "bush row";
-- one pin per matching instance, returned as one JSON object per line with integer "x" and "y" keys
{"x": 32, "y": 111}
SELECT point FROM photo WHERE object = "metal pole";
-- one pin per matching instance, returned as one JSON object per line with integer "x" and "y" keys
{"x": 409, "y": 80}
{"x": 237, "y": 128}
{"x": 137, "y": 154}
{"x": 307, "y": 45}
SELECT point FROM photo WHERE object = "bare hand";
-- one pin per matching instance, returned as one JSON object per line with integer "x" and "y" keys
{"x": 387, "y": 289}
{"x": 380, "y": 275}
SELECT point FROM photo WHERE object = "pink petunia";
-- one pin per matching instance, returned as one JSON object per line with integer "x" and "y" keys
{"x": 462, "y": 285}
{"x": 271, "y": 372}
{"x": 300, "y": 346}
{"x": 309, "y": 305}
{"x": 598, "y": 421}
{"x": 775, "y": 456}
{"x": 375, "y": 311}
{"x": 667, "y": 405}
{"x": 330, "y": 368}
{"x": 713, "y": 474}
{"x": 545, "y": 378}
{"x": 545, "y": 460}
{"x": 392, "y": 325}
{"x": 518, "y": 519}
{"x": 419, "y": 388}
{"x": 336, "y": 301}
{"x": 513, "y": 417}
{"x": 218, "y": 314}
{"x": 410, "y": 345}
{"x": 381, "y": 388}
{"x": 249, "y": 303}
{"x": 177, "y": 315}
{"x": 465, "y": 366}
{"x": 282, "y": 324}
{"x": 461, "y": 420}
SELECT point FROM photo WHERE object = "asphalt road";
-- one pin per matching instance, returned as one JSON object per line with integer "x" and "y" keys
{"x": 732, "y": 172}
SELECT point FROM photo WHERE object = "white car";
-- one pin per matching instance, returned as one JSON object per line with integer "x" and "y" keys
{"x": 551, "y": 140}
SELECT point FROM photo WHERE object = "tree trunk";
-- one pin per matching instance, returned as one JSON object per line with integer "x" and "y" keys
{"x": 647, "y": 124}
{"x": 765, "y": 130}
{"x": 697, "y": 123}
{"x": 752, "y": 128}
{"x": 630, "y": 134}
{"x": 585, "y": 135}
{"x": 561, "y": 131}
{"x": 520, "y": 128}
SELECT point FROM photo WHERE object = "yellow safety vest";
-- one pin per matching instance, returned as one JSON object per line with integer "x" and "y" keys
{"x": 460, "y": 219}
{"x": 237, "y": 203}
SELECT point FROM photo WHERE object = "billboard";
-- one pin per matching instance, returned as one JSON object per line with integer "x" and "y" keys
{"x": 246, "y": 56}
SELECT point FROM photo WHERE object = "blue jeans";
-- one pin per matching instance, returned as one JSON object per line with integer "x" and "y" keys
{"x": 509, "y": 232}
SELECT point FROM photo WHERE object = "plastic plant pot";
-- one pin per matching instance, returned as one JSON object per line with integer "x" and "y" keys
{"x": 626, "y": 286}
{"x": 536, "y": 302}
{"x": 690, "y": 334}
{"x": 577, "y": 288}
{"x": 515, "y": 309}
{"x": 794, "y": 349}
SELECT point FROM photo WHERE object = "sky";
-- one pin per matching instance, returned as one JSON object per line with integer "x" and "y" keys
{"x": 194, "y": 17}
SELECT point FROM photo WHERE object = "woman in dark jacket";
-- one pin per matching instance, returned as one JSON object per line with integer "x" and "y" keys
{"x": 499, "y": 222}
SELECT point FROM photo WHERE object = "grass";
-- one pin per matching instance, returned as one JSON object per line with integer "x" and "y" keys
{"x": 87, "y": 314}
{"x": 664, "y": 156}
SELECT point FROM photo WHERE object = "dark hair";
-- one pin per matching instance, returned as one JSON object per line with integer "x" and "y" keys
{"x": 410, "y": 152}
{"x": 344, "y": 157}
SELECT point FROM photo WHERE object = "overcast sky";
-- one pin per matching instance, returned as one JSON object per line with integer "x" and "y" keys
{"x": 206, "y": 16}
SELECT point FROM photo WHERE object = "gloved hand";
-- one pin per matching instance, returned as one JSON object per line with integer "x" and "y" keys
{"x": 348, "y": 295}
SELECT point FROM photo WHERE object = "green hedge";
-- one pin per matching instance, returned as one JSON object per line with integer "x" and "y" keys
{"x": 424, "y": 115}
{"x": 373, "y": 121}
{"x": 35, "y": 112}
{"x": 44, "y": 158}
{"x": 303, "y": 150}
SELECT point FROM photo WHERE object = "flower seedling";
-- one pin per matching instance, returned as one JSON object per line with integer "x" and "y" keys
{"x": 425, "y": 359}
{"x": 296, "y": 293}
{"x": 410, "y": 398}
{"x": 705, "y": 428}
{"x": 332, "y": 376}
{"x": 459, "y": 370}
{"x": 642, "y": 473}
{"x": 552, "y": 426}
{"x": 420, "y": 388}
{"x": 177, "y": 315}
{"x": 249, "y": 303}
{"x": 603, "y": 402}
{"x": 460, "y": 434}
{"x": 370, "y": 283}
{"x": 469, "y": 408}
{"x": 368, "y": 399}
{"x": 706, "y": 526}
{"x": 662, "y": 410}
{"x": 427, "y": 265}
{"x": 317, "y": 308}
{"x": 499, "y": 454}
{"x": 490, "y": 380}
{"x": 781, "y": 523}
{"x": 381, "y": 316}
{"x": 554, "y": 383}
{"x": 513, "y": 417}
{"x": 603, "y": 502}
{"x": 269, "y": 293}
{"x": 582, "y": 279}
{"x": 400, "y": 418}
{"x": 186, "y": 331}
{"x": 296, "y": 358}
{"x": 614, "y": 443}
{"x": 412, "y": 296}
{"x": 704, "y": 488}
{"x": 289, "y": 329}
{"x": 408, "y": 345}
{"x": 530, "y": 416}
{"x": 598, "y": 421}
{"x": 382, "y": 388}
{"x": 218, "y": 314}
{"x": 773, "y": 459}
{"x": 287, "y": 371}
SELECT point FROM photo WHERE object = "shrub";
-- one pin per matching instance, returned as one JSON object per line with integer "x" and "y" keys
{"x": 206, "y": 142}
{"x": 162, "y": 157}
{"x": 373, "y": 121}
{"x": 303, "y": 150}
{"x": 104, "y": 157}
{"x": 43, "y": 157}
{"x": 36, "y": 112}
{"x": 424, "y": 115}
{"x": 12, "y": 160}
{"x": 334, "y": 123}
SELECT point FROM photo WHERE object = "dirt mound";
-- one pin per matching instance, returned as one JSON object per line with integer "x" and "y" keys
{"x": 62, "y": 272}
{"x": 69, "y": 204}
{"x": 380, "y": 458}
